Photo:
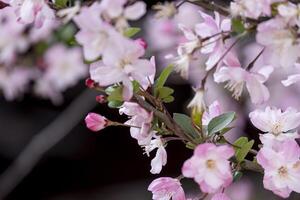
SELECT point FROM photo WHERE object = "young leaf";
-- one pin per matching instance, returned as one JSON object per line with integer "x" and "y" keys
{"x": 220, "y": 122}
{"x": 115, "y": 104}
{"x": 131, "y": 31}
{"x": 164, "y": 92}
{"x": 161, "y": 80}
{"x": 61, "y": 3}
{"x": 242, "y": 148}
{"x": 185, "y": 122}
{"x": 168, "y": 99}
{"x": 114, "y": 93}
{"x": 237, "y": 25}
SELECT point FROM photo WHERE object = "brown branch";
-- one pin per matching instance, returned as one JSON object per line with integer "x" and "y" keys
{"x": 251, "y": 166}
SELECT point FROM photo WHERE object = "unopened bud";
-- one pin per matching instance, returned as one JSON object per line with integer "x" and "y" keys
{"x": 89, "y": 83}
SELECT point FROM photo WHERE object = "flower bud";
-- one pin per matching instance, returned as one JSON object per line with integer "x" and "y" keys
{"x": 142, "y": 42}
{"x": 89, "y": 83}
{"x": 95, "y": 122}
{"x": 101, "y": 98}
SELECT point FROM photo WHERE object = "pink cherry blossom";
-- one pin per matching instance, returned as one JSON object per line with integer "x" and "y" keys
{"x": 280, "y": 42}
{"x": 14, "y": 82}
{"x": 281, "y": 168}
{"x": 140, "y": 119}
{"x": 64, "y": 67}
{"x": 252, "y": 8}
{"x": 119, "y": 13}
{"x": 214, "y": 110}
{"x": 95, "y": 122}
{"x": 32, "y": 11}
{"x": 279, "y": 126}
{"x": 166, "y": 188}
{"x": 123, "y": 64}
{"x": 12, "y": 40}
{"x": 290, "y": 13}
{"x": 236, "y": 77}
{"x": 160, "y": 158}
{"x": 220, "y": 196}
{"x": 95, "y": 35}
{"x": 209, "y": 166}
{"x": 213, "y": 46}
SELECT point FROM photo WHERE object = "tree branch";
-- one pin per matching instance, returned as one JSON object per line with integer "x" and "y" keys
{"x": 45, "y": 140}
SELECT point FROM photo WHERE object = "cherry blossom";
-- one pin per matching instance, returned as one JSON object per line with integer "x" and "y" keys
{"x": 280, "y": 42}
{"x": 95, "y": 122}
{"x": 281, "y": 168}
{"x": 64, "y": 67}
{"x": 166, "y": 188}
{"x": 209, "y": 166}
{"x": 278, "y": 126}
{"x": 236, "y": 77}
{"x": 95, "y": 35}
{"x": 119, "y": 13}
{"x": 123, "y": 64}
{"x": 214, "y": 46}
{"x": 252, "y": 8}
{"x": 160, "y": 158}
{"x": 12, "y": 41}
{"x": 140, "y": 120}
{"x": 32, "y": 11}
{"x": 198, "y": 102}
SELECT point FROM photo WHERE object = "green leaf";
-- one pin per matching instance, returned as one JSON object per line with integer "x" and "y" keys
{"x": 114, "y": 93}
{"x": 115, "y": 104}
{"x": 220, "y": 122}
{"x": 61, "y": 3}
{"x": 66, "y": 33}
{"x": 164, "y": 92}
{"x": 237, "y": 25}
{"x": 168, "y": 99}
{"x": 136, "y": 86}
{"x": 161, "y": 80}
{"x": 131, "y": 31}
{"x": 242, "y": 148}
{"x": 185, "y": 122}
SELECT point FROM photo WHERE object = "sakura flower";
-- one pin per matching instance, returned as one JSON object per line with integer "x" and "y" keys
{"x": 140, "y": 120}
{"x": 220, "y": 196}
{"x": 213, "y": 46}
{"x": 290, "y": 12}
{"x": 278, "y": 125}
{"x": 95, "y": 35}
{"x": 236, "y": 77}
{"x": 123, "y": 64}
{"x": 12, "y": 40}
{"x": 160, "y": 158}
{"x": 95, "y": 122}
{"x": 214, "y": 110}
{"x": 252, "y": 8}
{"x": 281, "y": 169}
{"x": 209, "y": 166}
{"x": 65, "y": 67}
{"x": 117, "y": 12}
{"x": 281, "y": 43}
{"x": 185, "y": 51}
{"x": 32, "y": 11}
{"x": 43, "y": 33}
{"x": 166, "y": 188}
{"x": 14, "y": 82}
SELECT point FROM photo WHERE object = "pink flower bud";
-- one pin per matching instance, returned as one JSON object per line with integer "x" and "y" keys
{"x": 89, "y": 83}
{"x": 95, "y": 122}
{"x": 142, "y": 42}
{"x": 101, "y": 99}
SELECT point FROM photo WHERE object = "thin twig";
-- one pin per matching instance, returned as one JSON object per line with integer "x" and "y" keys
{"x": 45, "y": 140}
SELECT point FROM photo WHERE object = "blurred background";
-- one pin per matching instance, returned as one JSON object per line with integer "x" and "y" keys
{"x": 108, "y": 165}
